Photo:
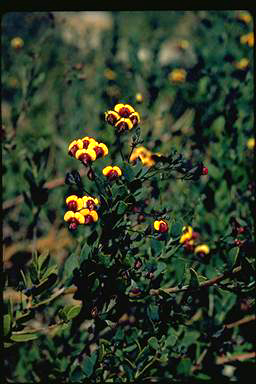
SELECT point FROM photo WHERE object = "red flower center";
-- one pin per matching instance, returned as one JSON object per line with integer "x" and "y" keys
{"x": 88, "y": 219}
{"x": 134, "y": 120}
{"x": 112, "y": 175}
{"x": 86, "y": 144}
{"x": 124, "y": 112}
{"x": 122, "y": 127}
{"x": 111, "y": 119}
{"x": 85, "y": 159}
{"x": 90, "y": 205}
{"x": 73, "y": 150}
{"x": 72, "y": 205}
{"x": 99, "y": 151}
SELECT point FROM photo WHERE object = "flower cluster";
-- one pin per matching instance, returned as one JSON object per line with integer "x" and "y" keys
{"x": 17, "y": 43}
{"x": 144, "y": 154}
{"x": 81, "y": 210}
{"x": 87, "y": 150}
{"x": 189, "y": 240}
{"x": 123, "y": 117}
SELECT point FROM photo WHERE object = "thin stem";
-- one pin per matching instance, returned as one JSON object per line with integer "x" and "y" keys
{"x": 204, "y": 284}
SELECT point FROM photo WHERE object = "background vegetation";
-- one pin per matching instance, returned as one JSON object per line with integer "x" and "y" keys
{"x": 61, "y": 75}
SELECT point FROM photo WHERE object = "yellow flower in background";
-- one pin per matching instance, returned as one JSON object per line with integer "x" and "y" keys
{"x": 17, "y": 43}
{"x": 183, "y": 44}
{"x": 202, "y": 248}
{"x": 144, "y": 154}
{"x": 242, "y": 64}
{"x": 109, "y": 74}
{"x": 178, "y": 75}
{"x": 244, "y": 16}
{"x": 139, "y": 97}
{"x": 247, "y": 39}
{"x": 251, "y": 143}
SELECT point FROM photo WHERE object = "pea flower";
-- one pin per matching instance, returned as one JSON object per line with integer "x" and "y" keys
{"x": 90, "y": 216}
{"x": 144, "y": 154}
{"x": 86, "y": 156}
{"x": 112, "y": 173}
{"x": 74, "y": 219}
{"x": 242, "y": 64}
{"x": 202, "y": 250}
{"x": 90, "y": 203}
{"x": 161, "y": 226}
{"x": 74, "y": 203}
{"x": 244, "y": 16}
{"x": 187, "y": 234}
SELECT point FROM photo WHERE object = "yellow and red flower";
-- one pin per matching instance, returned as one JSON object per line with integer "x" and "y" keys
{"x": 161, "y": 226}
{"x": 144, "y": 154}
{"x": 100, "y": 149}
{"x": 74, "y": 219}
{"x": 90, "y": 203}
{"x": 90, "y": 216}
{"x": 244, "y": 16}
{"x": 202, "y": 250}
{"x": 86, "y": 156}
{"x": 187, "y": 233}
{"x": 112, "y": 173}
{"x": 74, "y": 203}
{"x": 242, "y": 64}
{"x": 74, "y": 146}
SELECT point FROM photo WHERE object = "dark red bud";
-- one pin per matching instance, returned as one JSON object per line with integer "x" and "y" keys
{"x": 73, "y": 224}
{"x": 91, "y": 175}
{"x": 86, "y": 144}
{"x": 205, "y": 171}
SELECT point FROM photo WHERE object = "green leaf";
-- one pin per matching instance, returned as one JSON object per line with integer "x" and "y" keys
{"x": 71, "y": 263}
{"x": 128, "y": 171}
{"x": 89, "y": 364}
{"x": 22, "y": 337}
{"x": 184, "y": 366}
{"x": 194, "y": 281}
{"x": 176, "y": 229}
{"x": 121, "y": 208}
{"x": 232, "y": 255}
{"x": 153, "y": 343}
{"x": 51, "y": 270}
{"x": 71, "y": 311}
{"x": 43, "y": 260}
{"x": 7, "y": 324}
{"x": 152, "y": 311}
{"x": 44, "y": 284}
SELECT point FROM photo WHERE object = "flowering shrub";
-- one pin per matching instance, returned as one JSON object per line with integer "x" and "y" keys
{"x": 128, "y": 252}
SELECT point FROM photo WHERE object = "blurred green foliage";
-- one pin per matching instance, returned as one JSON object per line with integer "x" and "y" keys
{"x": 56, "y": 86}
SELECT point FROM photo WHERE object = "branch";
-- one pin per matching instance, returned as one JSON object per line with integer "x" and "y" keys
{"x": 204, "y": 284}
